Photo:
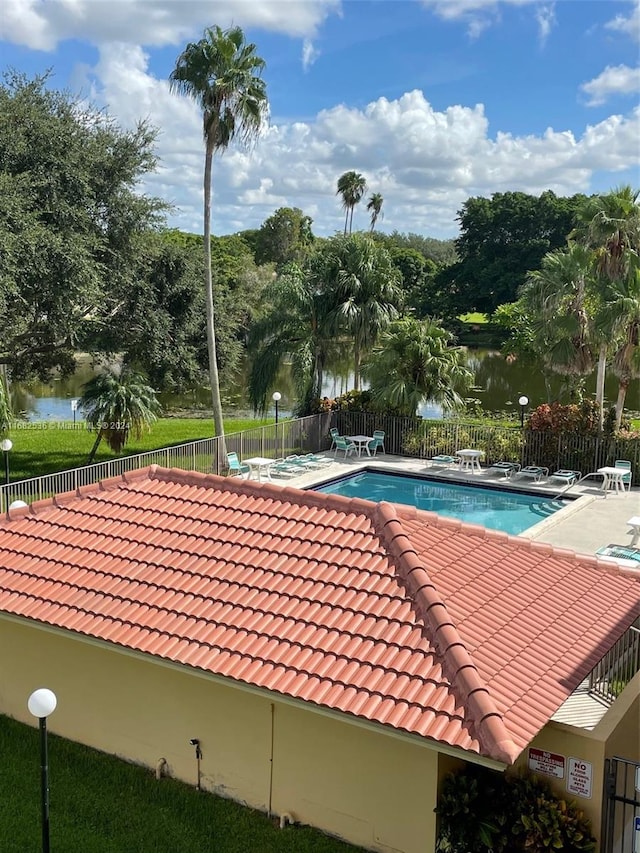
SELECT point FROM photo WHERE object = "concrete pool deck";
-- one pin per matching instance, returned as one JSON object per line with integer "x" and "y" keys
{"x": 591, "y": 521}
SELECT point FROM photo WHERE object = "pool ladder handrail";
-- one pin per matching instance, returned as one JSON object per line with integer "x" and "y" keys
{"x": 577, "y": 483}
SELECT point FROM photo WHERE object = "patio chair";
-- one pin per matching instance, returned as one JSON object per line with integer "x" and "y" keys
{"x": 376, "y": 442}
{"x": 506, "y": 468}
{"x": 344, "y": 444}
{"x": 626, "y": 479}
{"x": 444, "y": 460}
{"x": 236, "y": 466}
{"x": 532, "y": 472}
{"x": 334, "y": 433}
{"x": 566, "y": 476}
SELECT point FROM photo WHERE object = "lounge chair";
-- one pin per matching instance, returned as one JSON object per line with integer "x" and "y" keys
{"x": 317, "y": 461}
{"x": 532, "y": 472}
{"x": 506, "y": 468}
{"x": 626, "y": 479}
{"x": 566, "y": 476}
{"x": 282, "y": 468}
{"x": 376, "y": 442}
{"x": 443, "y": 460}
{"x": 344, "y": 444}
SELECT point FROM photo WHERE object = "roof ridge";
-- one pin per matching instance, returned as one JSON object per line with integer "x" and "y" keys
{"x": 458, "y": 665}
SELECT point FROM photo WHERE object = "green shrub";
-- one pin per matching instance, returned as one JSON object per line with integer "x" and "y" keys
{"x": 481, "y": 810}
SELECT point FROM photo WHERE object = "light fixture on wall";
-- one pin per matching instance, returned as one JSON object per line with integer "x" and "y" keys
{"x": 194, "y": 741}
{"x": 42, "y": 703}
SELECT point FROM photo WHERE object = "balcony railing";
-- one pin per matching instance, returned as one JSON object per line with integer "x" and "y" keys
{"x": 610, "y": 676}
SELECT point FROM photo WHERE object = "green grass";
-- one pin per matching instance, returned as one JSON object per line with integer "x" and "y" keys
{"x": 100, "y": 804}
{"x": 43, "y": 448}
{"x": 474, "y": 317}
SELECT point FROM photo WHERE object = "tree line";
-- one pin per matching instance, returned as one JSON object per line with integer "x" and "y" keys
{"x": 87, "y": 263}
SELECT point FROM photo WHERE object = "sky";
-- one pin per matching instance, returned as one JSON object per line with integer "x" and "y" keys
{"x": 433, "y": 101}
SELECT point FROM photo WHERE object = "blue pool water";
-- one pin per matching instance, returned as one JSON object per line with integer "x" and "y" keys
{"x": 498, "y": 509}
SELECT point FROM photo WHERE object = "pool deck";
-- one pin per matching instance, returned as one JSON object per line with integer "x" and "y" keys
{"x": 590, "y": 522}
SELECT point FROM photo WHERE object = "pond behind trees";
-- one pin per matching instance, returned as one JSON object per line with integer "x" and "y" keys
{"x": 498, "y": 385}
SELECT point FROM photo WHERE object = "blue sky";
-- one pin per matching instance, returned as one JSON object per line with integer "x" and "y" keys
{"x": 432, "y": 100}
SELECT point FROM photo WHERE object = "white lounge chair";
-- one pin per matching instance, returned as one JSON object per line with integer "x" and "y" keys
{"x": 564, "y": 475}
{"x": 443, "y": 460}
{"x": 506, "y": 468}
{"x": 532, "y": 472}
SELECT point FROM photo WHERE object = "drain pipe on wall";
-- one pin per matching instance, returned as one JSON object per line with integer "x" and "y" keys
{"x": 269, "y": 810}
{"x": 194, "y": 741}
{"x": 161, "y": 766}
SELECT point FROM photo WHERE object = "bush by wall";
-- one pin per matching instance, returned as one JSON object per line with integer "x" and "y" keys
{"x": 482, "y": 811}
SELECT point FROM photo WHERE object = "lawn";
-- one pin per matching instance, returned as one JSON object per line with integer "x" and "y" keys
{"x": 100, "y": 804}
{"x": 44, "y": 448}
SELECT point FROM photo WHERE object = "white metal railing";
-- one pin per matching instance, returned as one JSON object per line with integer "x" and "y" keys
{"x": 208, "y": 455}
{"x": 618, "y": 666}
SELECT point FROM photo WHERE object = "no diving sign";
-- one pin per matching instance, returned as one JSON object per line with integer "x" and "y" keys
{"x": 579, "y": 777}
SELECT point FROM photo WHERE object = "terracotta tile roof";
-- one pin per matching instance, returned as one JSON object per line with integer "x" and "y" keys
{"x": 470, "y": 637}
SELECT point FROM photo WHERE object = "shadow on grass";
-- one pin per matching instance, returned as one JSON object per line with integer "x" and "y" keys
{"x": 100, "y": 804}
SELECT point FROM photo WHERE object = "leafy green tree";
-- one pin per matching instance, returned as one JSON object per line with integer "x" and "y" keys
{"x": 414, "y": 361}
{"x": 71, "y": 215}
{"x": 351, "y": 187}
{"x": 298, "y": 323}
{"x": 116, "y": 403}
{"x": 441, "y": 252}
{"x": 366, "y": 289}
{"x": 221, "y": 73}
{"x": 374, "y": 206}
{"x": 501, "y": 240}
{"x": 620, "y": 316}
{"x": 285, "y": 237}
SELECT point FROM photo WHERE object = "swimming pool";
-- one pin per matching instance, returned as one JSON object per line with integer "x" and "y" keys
{"x": 499, "y": 509}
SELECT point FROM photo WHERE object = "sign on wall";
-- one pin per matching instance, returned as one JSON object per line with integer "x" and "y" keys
{"x": 636, "y": 836}
{"x": 549, "y": 763}
{"x": 580, "y": 777}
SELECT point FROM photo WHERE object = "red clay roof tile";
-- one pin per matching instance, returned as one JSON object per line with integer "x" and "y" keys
{"x": 398, "y": 616}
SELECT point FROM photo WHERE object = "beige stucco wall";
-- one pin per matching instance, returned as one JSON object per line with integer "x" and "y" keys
{"x": 373, "y": 789}
{"x": 617, "y": 734}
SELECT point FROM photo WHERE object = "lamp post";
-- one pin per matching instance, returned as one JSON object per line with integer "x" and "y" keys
{"x": 6, "y": 444}
{"x": 276, "y": 397}
{"x": 41, "y": 704}
{"x": 524, "y": 402}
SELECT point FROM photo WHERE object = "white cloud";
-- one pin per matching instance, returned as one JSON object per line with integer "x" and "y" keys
{"x": 546, "y": 18}
{"x": 614, "y": 80}
{"x": 42, "y": 25}
{"x": 477, "y": 14}
{"x": 627, "y": 24}
{"x": 309, "y": 54}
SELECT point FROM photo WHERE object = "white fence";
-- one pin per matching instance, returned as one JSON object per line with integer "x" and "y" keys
{"x": 207, "y": 456}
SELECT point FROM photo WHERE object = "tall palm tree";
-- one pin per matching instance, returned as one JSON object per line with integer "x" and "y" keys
{"x": 116, "y": 403}
{"x": 620, "y": 318}
{"x": 556, "y": 298}
{"x": 367, "y": 291}
{"x": 374, "y": 206}
{"x": 609, "y": 224}
{"x": 351, "y": 186}
{"x": 414, "y": 361}
{"x": 221, "y": 73}
{"x": 297, "y": 324}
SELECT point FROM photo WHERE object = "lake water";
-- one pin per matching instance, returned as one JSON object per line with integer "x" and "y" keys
{"x": 499, "y": 384}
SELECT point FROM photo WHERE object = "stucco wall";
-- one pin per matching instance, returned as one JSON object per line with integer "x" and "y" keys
{"x": 372, "y": 789}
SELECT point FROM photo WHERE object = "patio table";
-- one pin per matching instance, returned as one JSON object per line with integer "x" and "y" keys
{"x": 613, "y": 478}
{"x": 258, "y": 464}
{"x": 360, "y": 441}
{"x": 470, "y": 459}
